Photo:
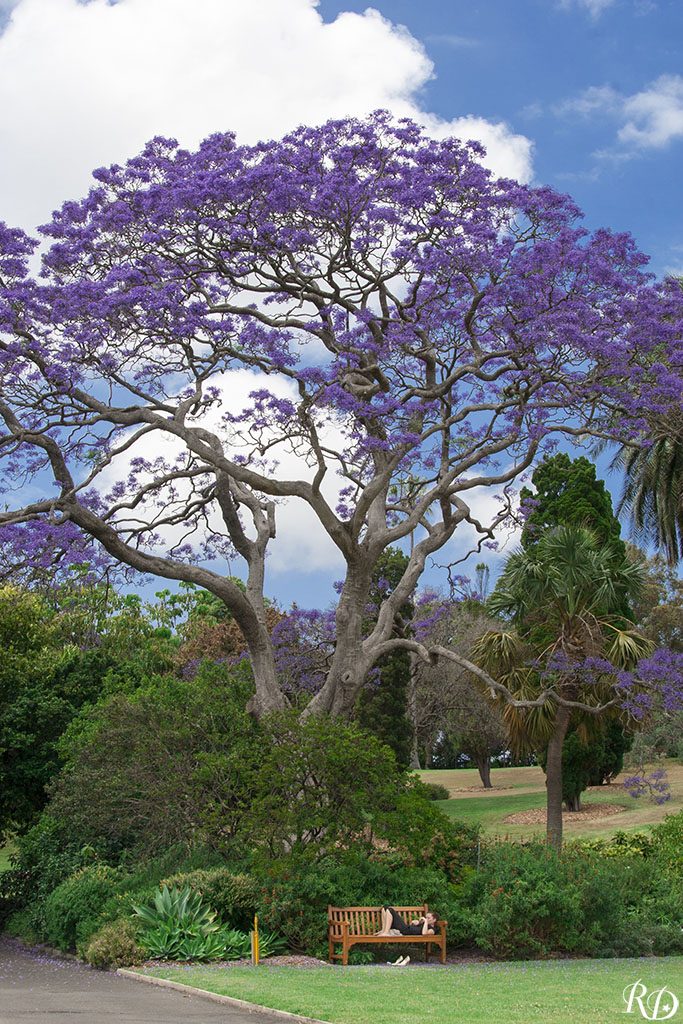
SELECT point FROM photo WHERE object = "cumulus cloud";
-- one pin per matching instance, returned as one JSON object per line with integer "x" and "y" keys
{"x": 86, "y": 84}
{"x": 654, "y": 117}
{"x": 649, "y": 119}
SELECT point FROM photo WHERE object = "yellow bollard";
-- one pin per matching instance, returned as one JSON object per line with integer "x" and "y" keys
{"x": 255, "y": 943}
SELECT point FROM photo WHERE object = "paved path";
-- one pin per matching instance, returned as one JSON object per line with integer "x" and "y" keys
{"x": 39, "y": 989}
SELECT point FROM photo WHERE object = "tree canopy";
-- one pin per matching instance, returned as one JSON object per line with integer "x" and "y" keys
{"x": 357, "y": 317}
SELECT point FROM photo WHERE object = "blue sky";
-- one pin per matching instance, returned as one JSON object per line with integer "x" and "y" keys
{"x": 583, "y": 95}
{"x": 530, "y": 62}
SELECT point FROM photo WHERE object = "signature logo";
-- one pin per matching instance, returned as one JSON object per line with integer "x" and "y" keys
{"x": 660, "y": 1004}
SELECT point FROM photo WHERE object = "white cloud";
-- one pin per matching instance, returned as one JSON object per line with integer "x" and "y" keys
{"x": 597, "y": 99}
{"x": 455, "y": 42}
{"x": 649, "y": 119}
{"x": 83, "y": 85}
{"x": 654, "y": 117}
{"x": 593, "y": 7}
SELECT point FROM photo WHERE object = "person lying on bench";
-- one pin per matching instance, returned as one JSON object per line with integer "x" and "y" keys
{"x": 393, "y": 924}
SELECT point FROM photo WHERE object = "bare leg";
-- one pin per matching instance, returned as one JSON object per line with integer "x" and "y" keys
{"x": 386, "y": 922}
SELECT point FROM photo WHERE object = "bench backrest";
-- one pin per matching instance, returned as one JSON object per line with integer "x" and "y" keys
{"x": 366, "y": 920}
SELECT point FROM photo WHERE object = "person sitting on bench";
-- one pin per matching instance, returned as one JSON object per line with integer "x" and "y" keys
{"x": 393, "y": 924}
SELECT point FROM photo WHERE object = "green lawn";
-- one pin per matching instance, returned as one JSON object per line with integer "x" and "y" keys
{"x": 523, "y": 789}
{"x": 535, "y": 992}
{"x": 5, "y": 854}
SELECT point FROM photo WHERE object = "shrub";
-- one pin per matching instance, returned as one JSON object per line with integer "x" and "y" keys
{"x": 424, "y": 836}
{"x": 621, "y": 844}
{"x": 323, "y": 784}
{"x": 523, "y": 908}
{"x": 167, "y": 764}
{"x": 667, "y": 839}
{"x": 114, "y": 945}
{"x": 530, "y": 901}
{"x": 73, "y": 911}
{"x": 180, "y": 926}
{"x": 21, "y": 925}
{"x": 434, "y": 791}
{"x": 45, "y": 857}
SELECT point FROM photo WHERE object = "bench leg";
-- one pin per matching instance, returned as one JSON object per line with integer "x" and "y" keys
{"x": 345, "y": 954}
{"x": 330, "y": 946}
{"x": 428, "y": 950}
{"x": 443, "y": 951}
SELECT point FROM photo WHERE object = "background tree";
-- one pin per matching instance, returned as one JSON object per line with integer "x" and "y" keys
{"x": 451, "y": 704}
{"x": 590, "y": 757}
{"x": 564, "y": 598}
{"x": 32, "y": 713}
{"x": 409, "y": 316}
{"x": 567, "y": 492}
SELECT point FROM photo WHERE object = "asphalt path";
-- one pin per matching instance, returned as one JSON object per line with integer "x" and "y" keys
{"x": 37, "y": 988}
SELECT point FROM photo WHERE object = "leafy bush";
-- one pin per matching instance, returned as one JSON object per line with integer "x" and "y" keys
{"x": 322, "y": 786}
{"x": 667, "y": 840}
{"x": 169, "y": 763}
{"x": 45, "y": 857}
{"x": 530, "y": 901}
{"x": 424, "y": 836}
{"x": 621, "y": 844}
{"x": 434, "y": 791}
{"x": 521, "y": 905}
{"x": 73, "y": 911}
{"x": 114, "y": 945}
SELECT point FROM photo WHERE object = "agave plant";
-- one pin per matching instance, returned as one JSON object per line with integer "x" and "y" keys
{"x": 180, "y": 926}
{"x": 180, "y": 907}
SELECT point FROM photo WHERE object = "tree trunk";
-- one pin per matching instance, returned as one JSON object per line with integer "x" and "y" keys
{"x": 554, "y": 779}
{"x": 484, "y": 766}
{"x": 429, "y": 747}
{"x": 412, "y": 712}
{"x": 574, "y": 804}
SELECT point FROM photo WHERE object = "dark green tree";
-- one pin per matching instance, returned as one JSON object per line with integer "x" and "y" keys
{"x": 382, "y": 705}
{"x": 590, "y": 759}
{"x": 568, "y": 493}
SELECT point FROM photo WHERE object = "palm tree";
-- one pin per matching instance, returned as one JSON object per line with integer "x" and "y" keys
{"x": 653, "y": 489}
{"x": 563, "y": 600}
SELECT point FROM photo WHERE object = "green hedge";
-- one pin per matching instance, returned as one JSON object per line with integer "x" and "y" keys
{"x": 529, "y": 901}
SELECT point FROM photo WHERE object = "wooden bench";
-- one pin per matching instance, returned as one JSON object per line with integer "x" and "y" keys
{"x": 351, "y": 926}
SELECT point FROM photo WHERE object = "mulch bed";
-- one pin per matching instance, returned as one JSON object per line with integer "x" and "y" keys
{"x": 591, "y": 812}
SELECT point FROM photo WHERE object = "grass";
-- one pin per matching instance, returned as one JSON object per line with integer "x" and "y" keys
{"x": 537, "y": 992}
{"x": 5, "y": 854}
{"x": 521, "y": 789}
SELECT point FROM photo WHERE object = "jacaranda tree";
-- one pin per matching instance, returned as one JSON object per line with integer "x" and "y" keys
{"x": 414, "y": 329}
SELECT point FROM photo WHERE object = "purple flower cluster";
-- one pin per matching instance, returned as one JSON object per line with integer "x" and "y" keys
{"x": 654, "y": 785}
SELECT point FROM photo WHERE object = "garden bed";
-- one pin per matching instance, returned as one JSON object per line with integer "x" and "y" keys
{"x": 590, "y": 812}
